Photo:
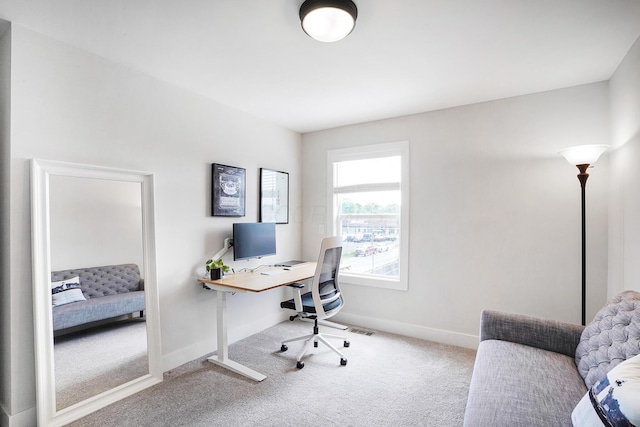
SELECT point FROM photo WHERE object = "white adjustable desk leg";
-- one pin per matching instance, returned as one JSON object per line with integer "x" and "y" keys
{"x": 222, "y": 358}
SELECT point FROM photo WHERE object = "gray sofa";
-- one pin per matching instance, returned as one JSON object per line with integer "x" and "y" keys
{"x": 110, "y": 291}
{"x": 533, "y": 372}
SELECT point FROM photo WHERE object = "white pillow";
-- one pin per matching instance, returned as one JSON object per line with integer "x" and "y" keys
{"x": 66, "y": 291}
{"x": 63, "y": 285}
{"x": 68, "y": 296}
{"x": 615, "y": 398}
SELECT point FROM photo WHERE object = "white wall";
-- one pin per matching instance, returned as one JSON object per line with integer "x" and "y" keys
{"x": 94, "y": 222}
{"x": 624, "y": 239}
{"x": 72, "y": 106}
{"x": 494, "y": 216}
{"x": 6, "y": 379}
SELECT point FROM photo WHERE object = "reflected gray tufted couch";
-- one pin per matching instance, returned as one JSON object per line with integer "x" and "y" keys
{"x": 533, "y": 372}
{"x": 110, "y": 291}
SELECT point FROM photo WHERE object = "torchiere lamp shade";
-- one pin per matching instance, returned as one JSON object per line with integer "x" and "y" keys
{"x": 583, "y": 154}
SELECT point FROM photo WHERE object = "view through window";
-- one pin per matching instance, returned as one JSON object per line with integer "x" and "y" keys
{"x": 367, "y": 207}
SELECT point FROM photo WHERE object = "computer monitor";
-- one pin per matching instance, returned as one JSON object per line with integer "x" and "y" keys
{"x": 253, "y": 240}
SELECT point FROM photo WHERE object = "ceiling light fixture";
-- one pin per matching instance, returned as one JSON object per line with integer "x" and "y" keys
{"x": 328, "y": 20}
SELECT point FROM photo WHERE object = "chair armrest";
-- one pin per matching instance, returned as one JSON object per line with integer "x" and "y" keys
{"x": 545, "y": 334}
{"x": 297, "y": 296}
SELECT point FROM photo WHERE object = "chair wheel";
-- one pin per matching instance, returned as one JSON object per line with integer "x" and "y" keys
{"x": 343, "y": 361}
{"x": 347, "y": 343}
{"x": 292, "y": 318}
{"x": 284, "y": 348}
{"x": 300, "y": 365}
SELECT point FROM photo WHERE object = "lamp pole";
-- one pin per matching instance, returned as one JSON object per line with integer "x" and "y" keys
{"x": 582, "y": 177}
{"x": 582, "y": 157}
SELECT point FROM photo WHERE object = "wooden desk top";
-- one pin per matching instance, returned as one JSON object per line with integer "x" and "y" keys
{"x": 258, "y": 282}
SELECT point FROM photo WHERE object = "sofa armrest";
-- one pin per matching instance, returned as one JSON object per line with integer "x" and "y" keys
{"x": 545, "y": 334}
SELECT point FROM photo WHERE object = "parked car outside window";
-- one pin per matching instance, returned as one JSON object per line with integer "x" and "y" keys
{"x": 366, "y": 250}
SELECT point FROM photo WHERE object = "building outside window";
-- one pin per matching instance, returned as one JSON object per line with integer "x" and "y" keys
{"x": 369, "y": 192}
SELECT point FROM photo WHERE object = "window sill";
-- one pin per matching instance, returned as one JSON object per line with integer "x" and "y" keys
{"x": 373, "y": 281}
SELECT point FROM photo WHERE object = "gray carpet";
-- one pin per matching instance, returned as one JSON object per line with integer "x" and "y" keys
{"x": 389, "y": 380}
{"x": 94, "y": 360}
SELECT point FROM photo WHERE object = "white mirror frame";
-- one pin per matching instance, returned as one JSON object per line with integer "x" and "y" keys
{"x": 41, "y": 170}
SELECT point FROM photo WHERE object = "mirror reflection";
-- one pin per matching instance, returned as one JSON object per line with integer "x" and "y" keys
{"x": 95, "y": 293}
{"x": 97, "y": 265}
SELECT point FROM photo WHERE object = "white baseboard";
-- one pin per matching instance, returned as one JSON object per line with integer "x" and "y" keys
{"x": 199, "y": 349}
{"x": 180, "y": 357}
{"x": 409, "y": 330}
{"x": 26, "y": 418}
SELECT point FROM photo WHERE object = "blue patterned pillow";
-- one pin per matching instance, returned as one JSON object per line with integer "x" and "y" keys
{"x": 66, "y": 291}
{"x": 614, "y": 400}
{"x": 63, "y": 285}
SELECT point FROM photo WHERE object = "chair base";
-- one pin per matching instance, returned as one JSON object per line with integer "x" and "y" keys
{"x": 321, "y": 322}
{"x": 313, "y": 339}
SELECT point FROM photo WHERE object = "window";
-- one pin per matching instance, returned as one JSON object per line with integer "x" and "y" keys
{"x": 369, "y": 192}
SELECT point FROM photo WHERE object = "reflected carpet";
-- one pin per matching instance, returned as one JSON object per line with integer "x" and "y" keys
{"x": 91, "y": 361}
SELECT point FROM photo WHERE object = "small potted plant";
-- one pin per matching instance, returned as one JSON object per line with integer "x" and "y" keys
{"x": 217, "y": 269}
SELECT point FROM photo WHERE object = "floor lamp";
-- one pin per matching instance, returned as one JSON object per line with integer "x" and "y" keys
{"x": 582, "y": 157}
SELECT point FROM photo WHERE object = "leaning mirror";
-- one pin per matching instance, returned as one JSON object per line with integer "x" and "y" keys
{"x": 97, "y": 335}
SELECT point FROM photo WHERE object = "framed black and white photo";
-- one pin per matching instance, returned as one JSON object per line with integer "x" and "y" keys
{"x": 274, "y": 196}
{"x": 228, "y": 185}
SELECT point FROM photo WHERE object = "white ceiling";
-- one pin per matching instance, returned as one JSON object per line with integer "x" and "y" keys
{"x": 404, "y": 56}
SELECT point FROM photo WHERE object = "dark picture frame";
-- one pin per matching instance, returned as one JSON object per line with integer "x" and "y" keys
{"x": 274, "y": 196}
{"x": 228, "y": 190}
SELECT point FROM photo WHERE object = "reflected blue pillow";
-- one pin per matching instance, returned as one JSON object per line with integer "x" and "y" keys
{"x": 63, "y": 285}
{"x": 66, "y": 291}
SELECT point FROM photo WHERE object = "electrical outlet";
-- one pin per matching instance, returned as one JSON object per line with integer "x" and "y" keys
{"x": 321, "y": 229}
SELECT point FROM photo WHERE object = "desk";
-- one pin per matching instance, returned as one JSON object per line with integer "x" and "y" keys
{"x": 248, "y": 282}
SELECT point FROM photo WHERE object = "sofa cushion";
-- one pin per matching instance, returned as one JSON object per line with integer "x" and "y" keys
{"x": 515, "y": 384}
{"x": 613, "y": 400}
{"x": 612, "y": 337}
{"x": 91, "y": 310}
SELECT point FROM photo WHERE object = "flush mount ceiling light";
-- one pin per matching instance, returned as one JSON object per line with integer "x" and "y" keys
{"x": 328, "y": 20}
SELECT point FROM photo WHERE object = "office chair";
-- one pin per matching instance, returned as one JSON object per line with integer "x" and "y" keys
{"x": 323, "y": 301}
{"x": 297, "y": 289}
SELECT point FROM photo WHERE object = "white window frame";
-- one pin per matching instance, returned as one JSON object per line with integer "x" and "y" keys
{"x": 370, "y": 152}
